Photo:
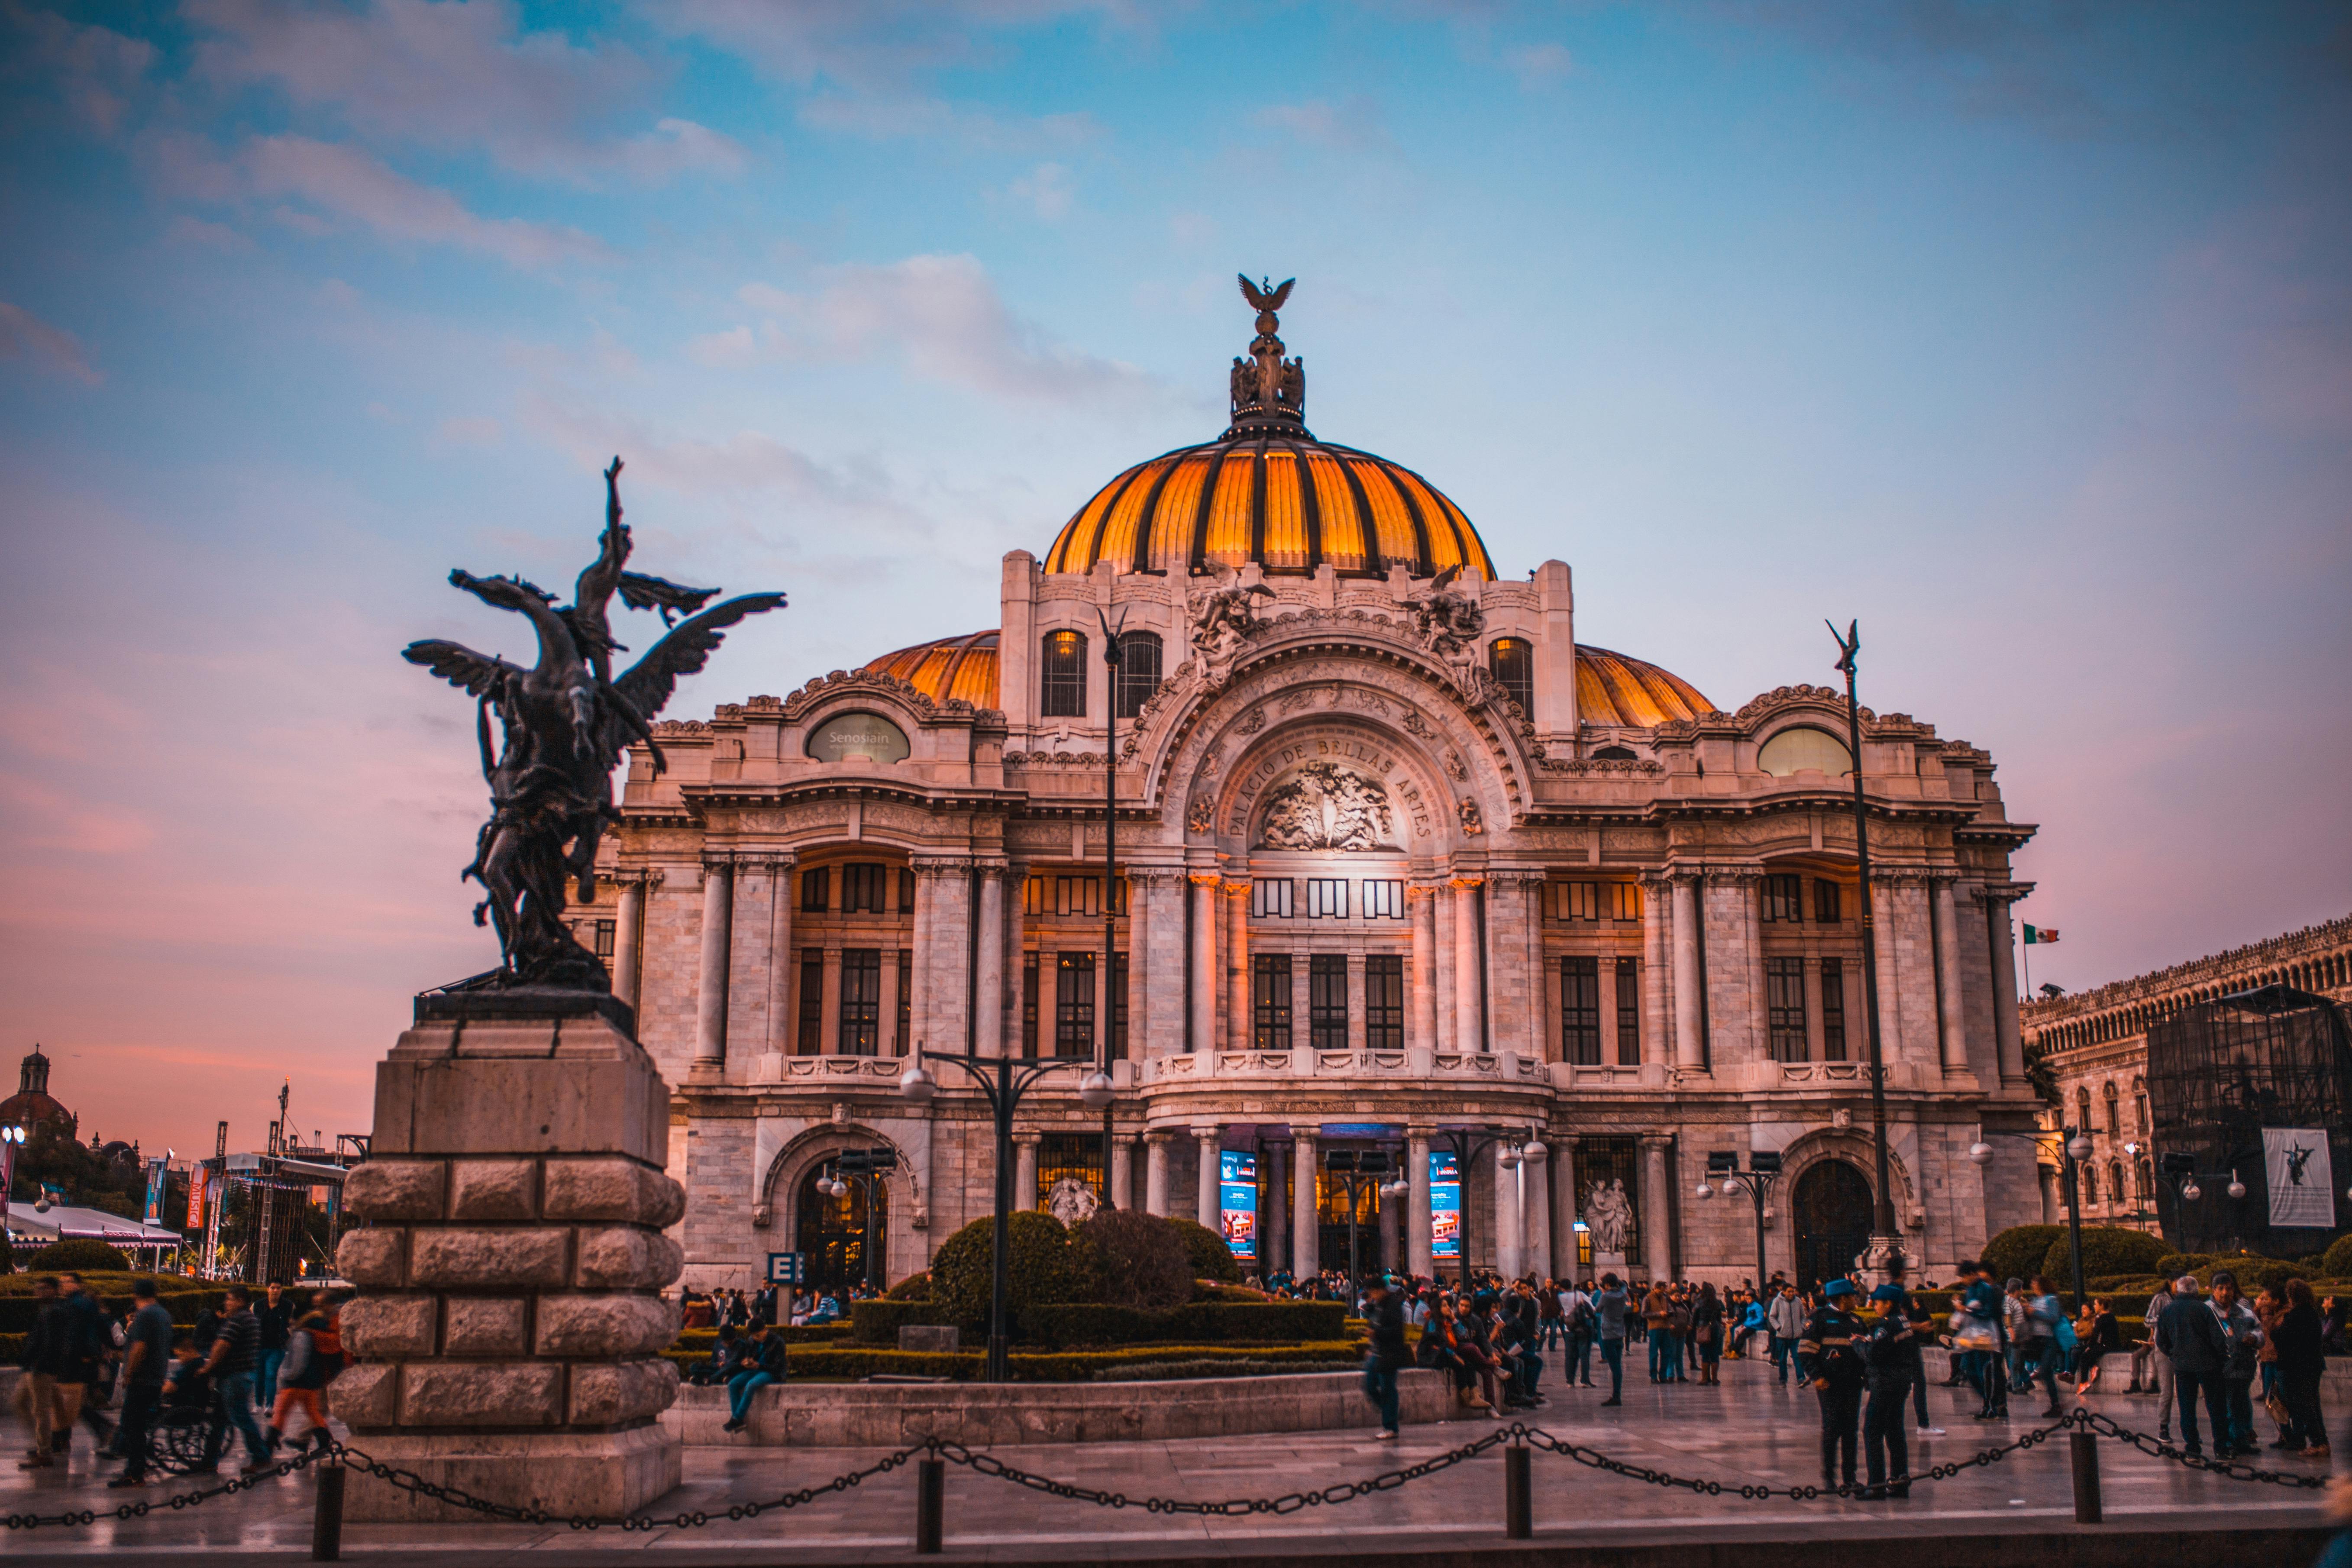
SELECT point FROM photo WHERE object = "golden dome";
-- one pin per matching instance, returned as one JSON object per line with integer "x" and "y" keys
{"x": 1613, "y": 689}
{"x": 1267, "y": 490}
{"x": 1609, "y": 688}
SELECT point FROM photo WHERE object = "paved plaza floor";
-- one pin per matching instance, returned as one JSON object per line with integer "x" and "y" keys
{"x": 1747, "y": 1431}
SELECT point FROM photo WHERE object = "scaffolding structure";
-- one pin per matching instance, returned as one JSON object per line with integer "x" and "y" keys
{"x": 2220, "y": 1072}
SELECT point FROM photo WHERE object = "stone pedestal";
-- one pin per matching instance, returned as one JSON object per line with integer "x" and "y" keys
{"x": 509, "y": 1321}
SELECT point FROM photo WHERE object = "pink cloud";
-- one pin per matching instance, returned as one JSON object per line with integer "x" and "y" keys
{"x": 24, "y": 335}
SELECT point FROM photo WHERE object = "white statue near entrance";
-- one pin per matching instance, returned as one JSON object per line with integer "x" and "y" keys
{"x": 1071, "y": 1201}
{"x": 1608, "y": 1215}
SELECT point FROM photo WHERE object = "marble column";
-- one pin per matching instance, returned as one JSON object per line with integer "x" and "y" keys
{"x": 1885, "y": 891}
{"x": 1122, "y": 1170}
{"x": 1274, "y": 1208}
{"x": 989, "y": 1027}
{"x": 1535, "y": 1220}
{"x": 1305, "y": 1238}
{"x": 1155, "y": 1174}
{"x": 1656, "y": 911}
{"x": 1358, "y": 1039}
{"x": 1212, "y": 1140}
{"x": 1163, "y": 961}
{"x": 1951, "y": 1004}
{"x": 783, "y": 961}
{"x": 1657, "y": 1240}
{"x": 1690, "y": 1050}
{"x": 1416, "y": 1214}
{"x": 711, "y": 986}
{"x": 632, "y": 920}
{"x": 926, "y": 975}
{"x": 1240, "y": 1032}
{"x": 2010, "y": 1045}
{"x": 828, "y": 1027}
{"x": 1422, "y": 983}
{"x": 1561, "y": 1180}
{"x": 1025, "y": 1171}
{"x": 1509, "y": 1244}
{"x": 1206, "y": 993}
{"x": 1005, "y": 1001}
{"x": 1441, "y": 970}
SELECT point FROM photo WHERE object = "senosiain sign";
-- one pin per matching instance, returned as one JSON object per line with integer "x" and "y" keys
{"x": 1339, "y": 745}
{"x": 849, "y": 735}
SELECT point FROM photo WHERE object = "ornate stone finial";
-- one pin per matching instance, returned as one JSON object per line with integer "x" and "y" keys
{"x": 1269, "y": 390}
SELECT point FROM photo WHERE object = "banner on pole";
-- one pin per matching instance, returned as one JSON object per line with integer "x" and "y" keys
{"x": 2302, "y": 1182}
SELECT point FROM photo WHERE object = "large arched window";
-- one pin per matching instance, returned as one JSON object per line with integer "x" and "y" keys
{"x": 2115, "y": 1181}
{"x": 1138, "y": 672}
{"x": 1803, "y": 748}
{"x": 2082, "y": 1109}
{"x": 2088, "y": 1176}
{"x": 1062, "y": 676}
{"x": 1512, "y": 661}
{"x": 2139, "y": 1105}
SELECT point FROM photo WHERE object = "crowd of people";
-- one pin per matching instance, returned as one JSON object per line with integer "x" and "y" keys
{"x": 250, "y": 1367}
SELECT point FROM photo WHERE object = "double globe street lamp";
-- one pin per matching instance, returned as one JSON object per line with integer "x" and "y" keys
{"x": 1358, "y": 1171}
{"x": 2074, "y": 1148}
{"x": 1763, "y": 1170}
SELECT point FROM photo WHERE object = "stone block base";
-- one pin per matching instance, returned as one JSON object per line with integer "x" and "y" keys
{"x": 600, "y": 1475}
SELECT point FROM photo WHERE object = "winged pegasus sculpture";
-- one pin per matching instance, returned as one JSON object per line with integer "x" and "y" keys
{"x": 564, "y": 722}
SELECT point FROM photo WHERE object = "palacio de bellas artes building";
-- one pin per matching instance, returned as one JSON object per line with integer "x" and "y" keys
{"x": 1397, "y": 856}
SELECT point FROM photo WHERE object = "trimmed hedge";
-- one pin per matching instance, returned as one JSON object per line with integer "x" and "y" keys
{"x": 83, "y": 1256}
{"x": 913, "y": 1288}
{"x": 18, "y": 1310}
{"x": 1044, "y": 1266}
{"x": 2335, "y": 1263}
{"x": 703, "y": 1339}
{"x": 1067, "y": 1366}
{"x": 2252, "y": 1274}
{"x": 878, "y": 1322}
{"x": 1204, "y": 1322}
{"x": 2018, "y": 1251}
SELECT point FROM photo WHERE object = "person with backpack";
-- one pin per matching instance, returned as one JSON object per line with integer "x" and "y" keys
{"x": 1576, "y": 1315}
{"x": 1706, "y": 1324}
{"x": 1387, "y": 1355}
{"x": 301, "y": 1374}
{"x": 1784, "y": 1316}
{"x": 231, "y": 1362}
{"x": 2243, "y": 1332}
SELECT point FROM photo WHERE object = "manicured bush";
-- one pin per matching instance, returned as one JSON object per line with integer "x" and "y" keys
{"x": 2107, "y": 1249}
{"x": 2019, "y": 1251}
{"x": 1042, "y": 1270}
{"x": 1138, "y": 1259}
{"x": 2173, "y": 1265}
{"x": 2133, "y": 1288}
{"x": 913, "y": 1288}
{"x": 82, "y": 1257}
{"x": 2252, "y": 1274}
{"x": 1210, "y": 1258}
{"x": 1194, "y": 1323}
{"x": 2335, "y": 1263}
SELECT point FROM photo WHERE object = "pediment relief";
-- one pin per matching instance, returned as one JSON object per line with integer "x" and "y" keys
{"x": 1327, "y": 806}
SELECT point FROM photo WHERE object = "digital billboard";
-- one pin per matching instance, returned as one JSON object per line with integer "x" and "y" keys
{"x": 1237, "y": 1201}
{"x": 1445, "y": 1206}
{"x": 199, "y": 1178}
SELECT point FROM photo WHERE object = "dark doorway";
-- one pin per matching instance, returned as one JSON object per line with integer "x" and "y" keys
{"x": 1832, "y": 1208}
{"x": 1331, "y": 1223}
{"x": 833, "y": 1237}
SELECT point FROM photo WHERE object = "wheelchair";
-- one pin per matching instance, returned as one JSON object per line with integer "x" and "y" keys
{"x": 176, "y": 1443}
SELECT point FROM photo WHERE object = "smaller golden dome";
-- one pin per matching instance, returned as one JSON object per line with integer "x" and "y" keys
{"x": 952, "y": 667}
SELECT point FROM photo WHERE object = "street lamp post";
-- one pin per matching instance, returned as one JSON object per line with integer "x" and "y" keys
{"x": 1358, "y": 1170}
{"x": 866, "y": 1167}
{"x": 1763, "y": 1170}
{"x": 1112, "y": 656}
{"x": 1003, "y": 1079}
{"x": 1887, "y": 1244}
{"x": 2074, "y": 1148}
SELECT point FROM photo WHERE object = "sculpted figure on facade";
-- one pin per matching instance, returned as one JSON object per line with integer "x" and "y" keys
{"x": 1223, "y": 617}
{"x": 1071, "y": 1201}
{"x": 1448, "y": 623}
{"x": 1609, "y": 1214}
{"x": 1328, "y": 807}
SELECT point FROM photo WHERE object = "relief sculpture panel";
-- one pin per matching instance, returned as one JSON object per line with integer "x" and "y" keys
{"x": 1328, "y": 807}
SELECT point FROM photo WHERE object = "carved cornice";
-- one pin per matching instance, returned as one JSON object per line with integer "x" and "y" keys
{"x": 869, "y": 682}
{"x": 2321, "y": 940}
{"x": 1591, "y": 765}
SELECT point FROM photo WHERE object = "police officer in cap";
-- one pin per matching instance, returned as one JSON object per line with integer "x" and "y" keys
{"x": 1890, "y": 1356}
{"x": 1828, "y": 1354}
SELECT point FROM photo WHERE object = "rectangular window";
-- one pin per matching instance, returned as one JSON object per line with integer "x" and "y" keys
{"x": 1270, "y": 898}
{"x": 1784, "y": 899}
{"x": 1580, "y": 1010}
{"x": 906, "y": 892}
{"x": 1576, "y": 900}
{"x": 604, "y": 930}
{"x": 1624, "y": 900}
{"x": 810, "y": 1039}
{"x": 1270, "y": 997}
{"x": 906, "y": 1028}
{"x": 1077, "y": 896}
{"x": 1326, "y": 899}
{"x": 861, "y": 887}
{"x": 1384, "y": 901}
{"x": 1825, "y": 901}
{"x": 1028, "y": 1004}
{"x": 1073, "y": 1004}
{"x": 1629, "y": 1013}
{"x": 1119, "y": 1007}
{"x": 1784, "y": 1008}
{"x": 1832, "y": 1004}
{"x": 1384, "y": 1002}
{"x": 860, "y": 1033}
{"x": 816, "y": 891}
{"x": 1326, "y": 1000}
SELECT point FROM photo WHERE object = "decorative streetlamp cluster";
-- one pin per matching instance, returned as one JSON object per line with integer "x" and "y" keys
{"x": 1358, "y": 1171}
{"x": 1763, "y": 1170}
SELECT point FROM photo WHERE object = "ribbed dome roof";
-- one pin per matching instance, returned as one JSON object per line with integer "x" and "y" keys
{"x": 1267, "y": 490}
{"x": 1611, "y": 689}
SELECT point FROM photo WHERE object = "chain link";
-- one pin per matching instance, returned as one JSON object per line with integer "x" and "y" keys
{"x": 140, "y": 1508}
{"x": 2302, "y": 1481}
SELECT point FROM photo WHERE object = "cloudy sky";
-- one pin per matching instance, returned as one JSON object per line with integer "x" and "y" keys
{"x": 2022, "y": 332}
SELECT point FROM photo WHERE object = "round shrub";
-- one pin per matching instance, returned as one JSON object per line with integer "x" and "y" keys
{"x": 2107, "y": 1249}
{"x": 2018, "y": 1251}
{"x": 1206, "y": 1253}
{"x": 2335, "y": 1263}
{"x": 2252, "y": 1274}
{"x": 1138, "y": 1259}
{"x": 913, "y": 1288}
{"x": 2173, "y": 1265}
{"x": 1040, "y": 1268}
{"x": 83, "y": 1256}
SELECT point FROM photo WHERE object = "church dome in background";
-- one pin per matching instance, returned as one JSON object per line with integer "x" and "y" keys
{"x": 32, "y": 1102}
{"x": 1267, "y": 490}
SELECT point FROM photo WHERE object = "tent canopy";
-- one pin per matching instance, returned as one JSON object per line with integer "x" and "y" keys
{"x": 63, "y": 1223}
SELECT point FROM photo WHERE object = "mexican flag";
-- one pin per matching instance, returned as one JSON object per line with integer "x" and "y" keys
{"x": 2040, "y": 935}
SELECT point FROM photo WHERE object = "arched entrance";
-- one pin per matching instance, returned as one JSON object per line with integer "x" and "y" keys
{"x": 1832, "y": 1208}
{"x": 831, "y": 1232}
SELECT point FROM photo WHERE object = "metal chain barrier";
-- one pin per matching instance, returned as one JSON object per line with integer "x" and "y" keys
{"x": 2302, "y": 1481}
{"x": 140, "y": 1508}
{"x": 1538, "y": 1437}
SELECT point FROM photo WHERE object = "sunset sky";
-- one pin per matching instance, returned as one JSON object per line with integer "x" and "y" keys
{"x": 2022, "y": 332}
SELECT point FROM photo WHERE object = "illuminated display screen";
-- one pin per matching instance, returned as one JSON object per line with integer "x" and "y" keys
{"x": 1445, "y": 1206}
{"x": 1237, "y": 1201}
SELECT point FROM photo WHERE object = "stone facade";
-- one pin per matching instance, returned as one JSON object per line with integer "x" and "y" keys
{"x": 1396, "y": 855}
{"x": 2095, "y": 1045}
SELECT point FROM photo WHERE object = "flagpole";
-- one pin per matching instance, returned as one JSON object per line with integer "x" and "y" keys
{"x": 2025, "y": 950}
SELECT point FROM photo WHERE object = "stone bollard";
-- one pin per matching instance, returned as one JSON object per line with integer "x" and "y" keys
{"x": 509, "y": 1321}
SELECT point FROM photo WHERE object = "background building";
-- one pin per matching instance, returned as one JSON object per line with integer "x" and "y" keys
{"x": 1398, "y": 856}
